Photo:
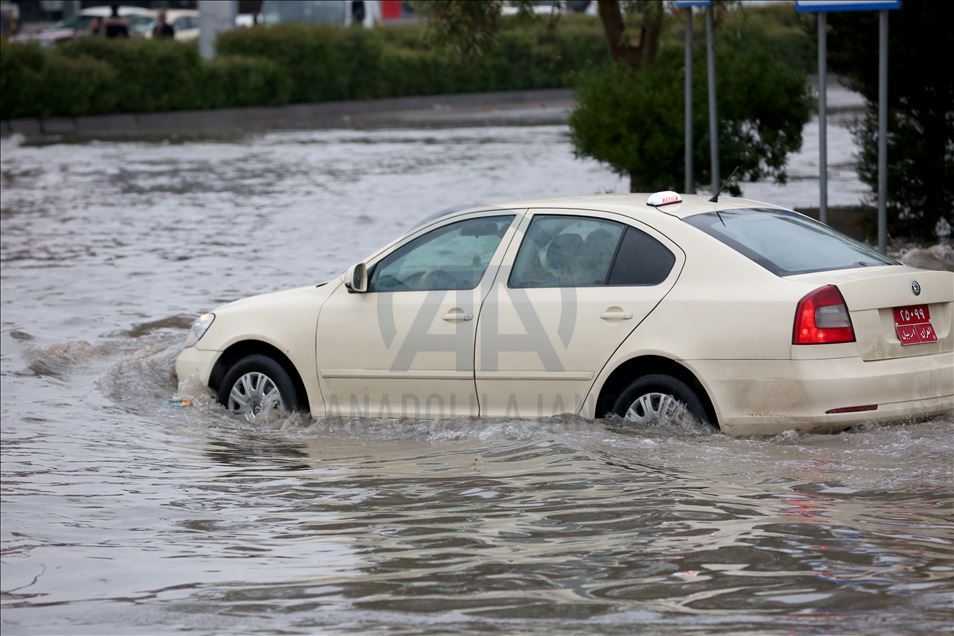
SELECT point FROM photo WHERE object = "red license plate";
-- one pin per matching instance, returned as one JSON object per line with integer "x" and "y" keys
{"x": 913, "y": 325}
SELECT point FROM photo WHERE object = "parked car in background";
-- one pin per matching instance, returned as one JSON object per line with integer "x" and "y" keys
{"x": 184, "y": 21}
{"x": 330, "y": 12}
{"x": 9, "y": 18}
{"x": 246, "y": 19}
{"x": 140, "y": 25}
{"x": 747, "y": 316}
{"x": 546, "y": 7}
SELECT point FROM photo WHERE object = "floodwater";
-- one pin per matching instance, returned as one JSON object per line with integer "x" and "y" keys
{"x": 122, "y": 513}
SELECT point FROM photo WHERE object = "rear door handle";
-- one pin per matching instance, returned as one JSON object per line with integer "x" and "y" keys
{"x": 616, "y": 314}
{"x": 457, "y": 315}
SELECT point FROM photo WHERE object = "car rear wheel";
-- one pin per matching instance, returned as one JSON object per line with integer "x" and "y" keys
{"x": 656, "y": 398}
{"x": 256, "y": 386}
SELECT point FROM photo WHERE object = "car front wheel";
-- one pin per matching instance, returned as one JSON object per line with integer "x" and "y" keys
{"x": 256, "y": 386}
{"x": 658, "y": 398}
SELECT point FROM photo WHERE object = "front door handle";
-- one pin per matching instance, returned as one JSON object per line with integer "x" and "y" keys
{"x": 457, "y": 315}
{"x": 616, "y": 313}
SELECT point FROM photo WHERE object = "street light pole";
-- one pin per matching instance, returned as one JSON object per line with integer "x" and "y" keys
{"x": 882, "y": 131}
{"x": 822, "y": 118}
{"x": 690, "y": 178}
{"x": 713, "y": 117}
{"x": 215, "y": 16}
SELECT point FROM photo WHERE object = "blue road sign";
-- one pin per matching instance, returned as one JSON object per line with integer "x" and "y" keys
{"x": 818, "y": 6}
{"x": 685, "y": 4}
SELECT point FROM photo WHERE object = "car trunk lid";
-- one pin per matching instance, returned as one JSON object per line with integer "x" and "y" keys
{"x": 873, "y": 293}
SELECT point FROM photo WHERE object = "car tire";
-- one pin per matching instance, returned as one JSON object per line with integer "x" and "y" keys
{"x": 252, "y": 379}
{"x": 646, "y": 397}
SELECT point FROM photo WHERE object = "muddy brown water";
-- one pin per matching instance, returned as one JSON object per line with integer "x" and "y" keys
{"x": 122, "y": 513}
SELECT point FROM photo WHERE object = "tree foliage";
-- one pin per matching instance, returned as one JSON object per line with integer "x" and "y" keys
{"x": 468, "y": 29}
{"x": 920, "y": 107}
{"x": 471, "y": 28}
{"x": 632, "y": 119}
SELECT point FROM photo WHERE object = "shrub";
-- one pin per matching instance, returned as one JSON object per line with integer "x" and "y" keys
{"x": 35, "y": 83}
{"x": 234, "y": 80}
{"x": 154, "y": 75}
{"x": 322, "y": 63}
{"x": 21, "y": 71}
{"x": 78, "y": 86}
{"x": 920, "y": 137}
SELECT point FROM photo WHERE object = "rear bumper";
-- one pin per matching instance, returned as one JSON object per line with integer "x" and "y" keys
{"x": 765, "y": 397}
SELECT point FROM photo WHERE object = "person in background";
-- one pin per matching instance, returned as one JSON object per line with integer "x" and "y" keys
{"x": 96, "y": 26}
{"x": 163, "y": 29}
{"x": 357, "y": 12}
{"x": 8, "y": 23}
{"x": 115, "y": 26}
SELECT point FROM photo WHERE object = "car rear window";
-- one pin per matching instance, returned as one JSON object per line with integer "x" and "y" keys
{"x": 786, "y": 243}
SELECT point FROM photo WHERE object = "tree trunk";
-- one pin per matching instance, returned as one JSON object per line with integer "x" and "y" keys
{"x": 614, "y": 27}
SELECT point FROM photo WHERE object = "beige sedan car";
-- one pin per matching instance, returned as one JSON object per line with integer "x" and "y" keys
{"x": 748, "y": 317}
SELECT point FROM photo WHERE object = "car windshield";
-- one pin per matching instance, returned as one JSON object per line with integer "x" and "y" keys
{"x": 77, "y": 22}
{"x": 141, "y": 23}
{"x": 786, "y": 243}
{"x": 436, "y": 215}
{"x": 278, "y": 11}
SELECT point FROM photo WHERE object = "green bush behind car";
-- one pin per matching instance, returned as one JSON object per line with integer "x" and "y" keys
{"x": 291, "y": 63}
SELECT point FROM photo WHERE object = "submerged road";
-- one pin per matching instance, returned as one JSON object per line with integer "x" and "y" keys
{"x": 122, "y": 513}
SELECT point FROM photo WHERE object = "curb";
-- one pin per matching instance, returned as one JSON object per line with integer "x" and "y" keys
{"x": 497, "y": 108}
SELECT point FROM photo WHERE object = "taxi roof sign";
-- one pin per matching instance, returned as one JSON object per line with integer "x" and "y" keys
{"x": 665, "y": 197}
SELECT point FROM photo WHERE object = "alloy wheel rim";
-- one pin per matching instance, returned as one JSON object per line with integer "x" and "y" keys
{"x": 652, "y": 408}
{"x": 254, "y": 394}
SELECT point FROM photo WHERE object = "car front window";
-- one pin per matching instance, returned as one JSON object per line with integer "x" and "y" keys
{"x": 453, "y": 256}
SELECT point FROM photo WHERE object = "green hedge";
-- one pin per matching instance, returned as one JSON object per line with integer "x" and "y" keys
{"x": 90, "y": 76}
{"x": 326, "y": 63}
{"x": 35, "y": 83}
{"x": 297, "y": 63}
{"x": 291, "y": 63}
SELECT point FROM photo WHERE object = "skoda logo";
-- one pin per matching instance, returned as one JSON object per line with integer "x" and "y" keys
{"x": 916, "y": 287}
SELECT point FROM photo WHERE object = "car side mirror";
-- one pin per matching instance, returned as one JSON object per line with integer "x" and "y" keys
{"x": 356, "y": 279}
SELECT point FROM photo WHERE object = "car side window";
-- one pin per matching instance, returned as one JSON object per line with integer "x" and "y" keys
{"x": 641, "y": 260}
{"x": 454, "y": 256}
{"x": 566, "y": 251}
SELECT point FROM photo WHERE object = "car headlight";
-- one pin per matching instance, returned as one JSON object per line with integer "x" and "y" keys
{"x": 198, "y": 329}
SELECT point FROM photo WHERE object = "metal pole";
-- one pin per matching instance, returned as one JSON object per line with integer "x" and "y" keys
{"x": 71, "y": 8}
{"x": 690, "y": 178}
{"x": 215, "y": 16}
{"x": 713, "y": 118}
{"x": 822, "y": 119}
{"x": 883, "y": 132}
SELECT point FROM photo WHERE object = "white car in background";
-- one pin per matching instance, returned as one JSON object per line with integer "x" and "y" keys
{"x": 752, "y": 318}
{"x": 139, "y": 20}
{"x": 346, "y": 13}
{"x": 184, "y": 21}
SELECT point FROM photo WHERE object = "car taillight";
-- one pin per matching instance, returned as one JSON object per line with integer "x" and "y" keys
{"x": 822, "y": 318}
